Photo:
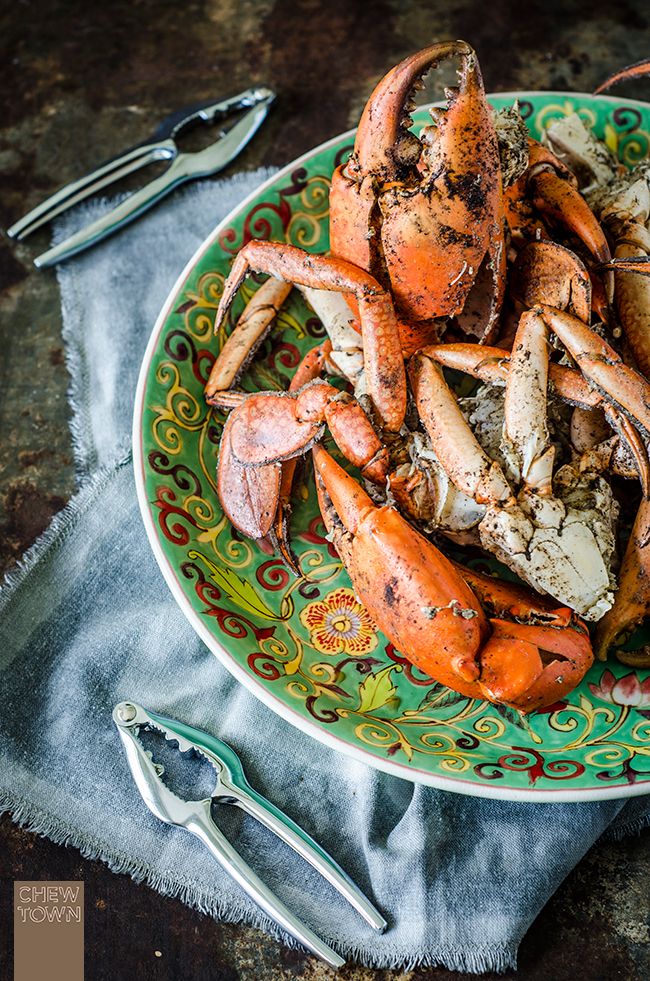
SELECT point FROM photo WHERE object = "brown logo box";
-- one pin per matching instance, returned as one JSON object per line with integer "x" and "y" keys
{"x": 49, "y": 931}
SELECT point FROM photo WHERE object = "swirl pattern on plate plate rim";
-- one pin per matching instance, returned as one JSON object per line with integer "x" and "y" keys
{"x": 307, "y": 642}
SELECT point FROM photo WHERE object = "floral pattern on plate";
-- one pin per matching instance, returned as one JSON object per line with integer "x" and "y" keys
{"x": 306, "y": 646}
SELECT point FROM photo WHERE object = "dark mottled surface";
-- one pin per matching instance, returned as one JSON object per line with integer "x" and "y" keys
{"x": 79, "y": 81}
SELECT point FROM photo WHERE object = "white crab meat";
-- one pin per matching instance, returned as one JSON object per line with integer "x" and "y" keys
{"x": 337, "y": 319}
{"x": 555, "y": 531}
{"x": 512, "y": 136}
{"x": 561, "y": 549}
{"x": 440, "y": 505}
{"x": 561, "y": 544}
{"x": 582, "y": 152}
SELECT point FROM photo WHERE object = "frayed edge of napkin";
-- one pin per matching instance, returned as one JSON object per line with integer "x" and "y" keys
{"x": 481, "y": 959}
{"x": 239, "y": 185}
{"x": 627, "y": 828}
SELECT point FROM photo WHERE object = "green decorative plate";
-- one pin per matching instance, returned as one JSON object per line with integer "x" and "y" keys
{"x": 306, "y": 647}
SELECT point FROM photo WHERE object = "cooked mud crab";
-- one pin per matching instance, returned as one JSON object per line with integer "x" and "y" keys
{"x": 452, "y": 233}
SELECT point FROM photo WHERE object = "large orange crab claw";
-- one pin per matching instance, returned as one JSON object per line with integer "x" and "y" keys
{"x": 424, "y": 216}
{"x": 431, "y": 610}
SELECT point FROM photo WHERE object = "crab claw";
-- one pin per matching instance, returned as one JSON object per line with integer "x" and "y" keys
{"x": 605, "y": 371}
{"x": 561, "y": 638}
{"x": 554, "y": 191}
{"x": 384, "y": 145}
{"x": 545, "y": 272}
{"x": 560, "y": 200}
{"x": 262, "y": 437}
{"x": 409, "y": 588}
{"x": 249, "y": 495}
{"x": 383, "y": 359}
{"x": 427, "y": 608}
{"x": 424, "y": 216}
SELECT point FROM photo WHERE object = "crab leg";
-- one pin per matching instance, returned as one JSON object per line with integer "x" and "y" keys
{"x": 464, "y": 459}
{"x": 309, "y": 369}
{"x": 602, "y": 367}
{"x": 382, "y": 352}
{"x": 488, "y": 364}
{"x": 633, "y": 301}
{"x": 342, "y": 329}
{"x": 247, "y": 335}
{"x": 269, "y": 427}
{"x": 525, "y": 404}
{"x": 626, "y": 219}
{"x": 630, "y": 263}
{"x": 491, "y": 365}
{"x": 637, "y": 263}
{"x": 638, "y": 70}
{"x": 425, "y": 607}
{"x": 554, "y": 191}
{"x": 632, "y": 601}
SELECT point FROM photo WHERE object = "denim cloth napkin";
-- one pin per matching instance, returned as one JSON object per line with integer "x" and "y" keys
{"x": 87, "y": 620}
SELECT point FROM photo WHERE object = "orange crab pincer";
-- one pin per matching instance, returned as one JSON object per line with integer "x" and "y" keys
{"x": 428, "y": 610}
{"x": 425, "y": 216}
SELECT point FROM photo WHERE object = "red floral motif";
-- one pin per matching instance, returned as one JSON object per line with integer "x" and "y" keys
{"x": 272, "y": 575}
{"x": 284, "y": 354}
{"x": 524, "y": 759}
{"x": 202, "y": 366}
{"x": 257, "y": 225}
{"x": 414, "y": 675}
{"x": 264, "y": 666}
{"x": 339, "y": 624}
{"x": 627, "y": 690}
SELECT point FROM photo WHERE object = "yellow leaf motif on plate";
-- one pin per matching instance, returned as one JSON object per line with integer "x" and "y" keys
{"x": 236, "y": 589}
{"x": 292, "y": 666}
{"x": 611, "y": 138}
{"x": 377, "y": 690}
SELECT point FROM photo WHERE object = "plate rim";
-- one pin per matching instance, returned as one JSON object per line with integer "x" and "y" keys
{"x": 257, "y": 687}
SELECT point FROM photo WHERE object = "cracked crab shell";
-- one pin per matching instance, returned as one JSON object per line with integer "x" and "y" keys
{"x": 433, "y": 228}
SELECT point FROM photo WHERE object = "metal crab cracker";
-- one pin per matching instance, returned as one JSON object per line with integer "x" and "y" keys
{"x": 231, "y": 787}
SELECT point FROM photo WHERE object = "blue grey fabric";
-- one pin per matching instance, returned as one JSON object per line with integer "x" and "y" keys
{"x": 88, "y": 620}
